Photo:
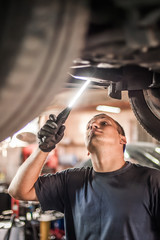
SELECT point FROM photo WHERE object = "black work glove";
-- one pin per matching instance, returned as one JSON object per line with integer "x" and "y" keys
{"x": 51, "y": 133}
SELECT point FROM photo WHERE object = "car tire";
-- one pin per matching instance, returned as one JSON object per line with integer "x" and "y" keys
{"x": 146, "y": 107}
{"x": 39, "y": 40}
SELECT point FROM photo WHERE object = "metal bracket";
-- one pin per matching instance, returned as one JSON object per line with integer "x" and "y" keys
{"x": 155, "y": 80}
{"x": 112, "y": 92}
{"x": 129, "y": 77}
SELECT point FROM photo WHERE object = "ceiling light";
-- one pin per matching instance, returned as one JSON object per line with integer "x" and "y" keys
{"x": 157, "y": 149}
{"x": 153, "y": 159}
{"x": 110, "y": 109}
{"x": 126, "y": 155}
{"x": 27, "y": 134}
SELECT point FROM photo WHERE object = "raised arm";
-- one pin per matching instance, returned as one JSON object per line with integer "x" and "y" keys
{"x": 22, "y": 185}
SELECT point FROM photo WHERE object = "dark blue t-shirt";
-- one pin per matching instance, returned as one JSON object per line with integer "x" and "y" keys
{"x": 119, "y": 205}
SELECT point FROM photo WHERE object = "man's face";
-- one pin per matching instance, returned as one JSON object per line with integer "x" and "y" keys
{"x": 101, "y": 129}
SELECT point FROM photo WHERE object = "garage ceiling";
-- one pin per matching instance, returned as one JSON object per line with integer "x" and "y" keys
{"x": 88, "y": 101}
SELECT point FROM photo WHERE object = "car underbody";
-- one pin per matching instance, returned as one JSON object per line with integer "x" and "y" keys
{"x": 115, "y": 43}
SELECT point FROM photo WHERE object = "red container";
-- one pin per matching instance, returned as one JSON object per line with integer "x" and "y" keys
{"x": 15, "y": 206}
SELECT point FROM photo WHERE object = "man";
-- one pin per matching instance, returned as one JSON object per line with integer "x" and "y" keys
{"x": 114, "y": 200}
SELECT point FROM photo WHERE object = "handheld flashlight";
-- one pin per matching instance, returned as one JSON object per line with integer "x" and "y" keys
{"x": 65, "y": 113}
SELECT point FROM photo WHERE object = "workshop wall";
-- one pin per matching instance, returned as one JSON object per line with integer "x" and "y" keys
{"x": 71, "y": 150}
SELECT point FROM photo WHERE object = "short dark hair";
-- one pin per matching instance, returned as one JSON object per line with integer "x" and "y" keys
{"x": 121, "y": 131}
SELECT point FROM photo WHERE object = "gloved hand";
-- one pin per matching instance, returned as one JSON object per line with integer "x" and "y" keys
{"x": 51, "y": 133}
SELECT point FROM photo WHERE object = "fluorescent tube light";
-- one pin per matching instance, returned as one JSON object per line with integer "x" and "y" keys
{"x": 153, "y": 159}
{"x": 157, "y": 149}
{"x": 110, "y": 109}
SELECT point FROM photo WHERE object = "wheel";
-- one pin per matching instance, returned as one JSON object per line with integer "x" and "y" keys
{"x": 146, "y": 107}
{"x": 39, "y": 39}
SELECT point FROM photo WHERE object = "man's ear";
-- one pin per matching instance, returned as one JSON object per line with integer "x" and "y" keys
{"x": 123, "y": 139}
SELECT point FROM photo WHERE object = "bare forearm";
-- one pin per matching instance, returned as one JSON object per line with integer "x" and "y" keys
{"x": 22, "y": 185}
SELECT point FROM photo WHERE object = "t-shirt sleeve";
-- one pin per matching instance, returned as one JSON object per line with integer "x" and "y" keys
{"x": 50, "y": 191}
{"x": 155, "y": 197}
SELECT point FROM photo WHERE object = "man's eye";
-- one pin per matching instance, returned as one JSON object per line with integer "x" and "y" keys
{"x": 104, "y": 123}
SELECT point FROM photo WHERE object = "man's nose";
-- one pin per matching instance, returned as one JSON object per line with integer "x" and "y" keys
{"x": 94, "y": 125}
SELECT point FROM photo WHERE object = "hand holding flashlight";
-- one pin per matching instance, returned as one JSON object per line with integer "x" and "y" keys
{"x": 53, "y": 131}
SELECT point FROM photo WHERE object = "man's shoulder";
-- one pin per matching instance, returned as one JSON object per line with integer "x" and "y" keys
{"x": 145, "y": 168}
{"x": 78, "y": 174}
{"x": 147, "y": 171}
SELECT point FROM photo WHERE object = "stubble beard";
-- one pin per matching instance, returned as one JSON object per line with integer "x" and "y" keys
{"x": 92, "y": 142}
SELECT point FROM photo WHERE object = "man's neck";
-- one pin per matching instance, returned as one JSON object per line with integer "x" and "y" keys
{"x": 107, "y": 161}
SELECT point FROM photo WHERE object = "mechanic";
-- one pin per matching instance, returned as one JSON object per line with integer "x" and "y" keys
{"x": 113, "y": 200}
